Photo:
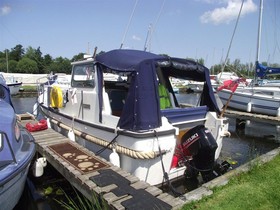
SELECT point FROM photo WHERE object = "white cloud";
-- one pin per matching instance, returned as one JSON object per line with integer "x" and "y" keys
{"x": 229, "y": 12}
{"x": 5, "y": 10}
{"x": 134, "y": 37}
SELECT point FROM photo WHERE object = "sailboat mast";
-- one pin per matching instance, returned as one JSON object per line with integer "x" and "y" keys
{"x": 7, "y": 60}
{"x": 259, "y": 31}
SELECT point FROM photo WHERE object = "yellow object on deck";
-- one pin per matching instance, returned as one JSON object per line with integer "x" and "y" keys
{"x": 56, "y": 97}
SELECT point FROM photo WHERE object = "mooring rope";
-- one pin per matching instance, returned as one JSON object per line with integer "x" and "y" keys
{"x": 120, "y": 149}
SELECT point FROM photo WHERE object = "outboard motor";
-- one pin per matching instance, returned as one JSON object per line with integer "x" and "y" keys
{"x": 198, "y": 147}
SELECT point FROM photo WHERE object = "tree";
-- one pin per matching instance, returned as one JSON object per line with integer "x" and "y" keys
{"x": 13, "y": 66}
{"x": 200, "y": 61}
{"x": 3, "y": 64}
{"x": 26, "y": 65}
{"x": 36, "y": 55}
{"x": 61, "y": 65}
{"x": 80, "y": 56}
{"x": 47, "y": 60}
{"x": 3, "y": 54}
{"x": 39, "y": 59}
{"x": 16, "y": 53}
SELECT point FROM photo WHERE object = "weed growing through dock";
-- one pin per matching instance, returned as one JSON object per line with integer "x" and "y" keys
{"x": 80, "y": 202}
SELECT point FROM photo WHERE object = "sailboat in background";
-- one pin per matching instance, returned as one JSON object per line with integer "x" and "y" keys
{"x": 255, "y": 98}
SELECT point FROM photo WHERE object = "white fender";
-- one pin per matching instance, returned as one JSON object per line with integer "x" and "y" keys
{"x": 38, "y": 169}
{"x": 35, "y": 107}
{"x": 249, "y": 107}
{"x": 49, "y": 123}
{"x": 42, "y": 161}
{"x": 71, "y": 135}
{"x": 114, "y": 158}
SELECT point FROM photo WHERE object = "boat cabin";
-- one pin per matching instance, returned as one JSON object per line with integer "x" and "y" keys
{"x": 135, "y": 86}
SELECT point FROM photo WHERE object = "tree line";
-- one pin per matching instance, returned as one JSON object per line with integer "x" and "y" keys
{"x": 32, "y": 61}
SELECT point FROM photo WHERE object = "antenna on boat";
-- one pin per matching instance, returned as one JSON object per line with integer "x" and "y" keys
{"x": 7, "y": 60}
{"x": 94, "y": 53}
{"x": 148, "y": 35}
{"x": 131, "y": 16}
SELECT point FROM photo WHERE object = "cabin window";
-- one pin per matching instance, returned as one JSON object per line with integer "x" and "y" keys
{"x": 83, "y": 76}
{"x": 117, "y": 90}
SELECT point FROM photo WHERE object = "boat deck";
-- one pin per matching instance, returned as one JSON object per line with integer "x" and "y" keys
{"x": 93, "y": 175}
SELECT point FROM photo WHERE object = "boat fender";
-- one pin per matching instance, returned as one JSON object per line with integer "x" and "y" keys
{"x": 278, "y": 112}
{"x": 49, "y": 123}
{"x": 43, "y": 161}
{"x": 56, "y": 97}
{"x": 114, "y": 158}
{"x": 35, "y": 107}
{"x": 249, "y": 107}
{"x": 71, "y": 135}
{"x": 38, "y": 168}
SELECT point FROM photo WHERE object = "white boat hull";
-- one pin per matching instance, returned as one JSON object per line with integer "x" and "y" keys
{"x": 253, "y": 100}
{"x": 14, "y": 88}
{"x": 144, "y": 168}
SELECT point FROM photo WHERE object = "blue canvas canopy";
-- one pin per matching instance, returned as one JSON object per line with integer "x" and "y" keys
{"x": 262, "y": 71}
{"x": 142, "y": 110}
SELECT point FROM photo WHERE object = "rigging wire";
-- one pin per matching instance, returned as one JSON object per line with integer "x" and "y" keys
{"x": 236, "y": 23}
{"x": 153, "y": 28}
{"x": 127, "y": 27}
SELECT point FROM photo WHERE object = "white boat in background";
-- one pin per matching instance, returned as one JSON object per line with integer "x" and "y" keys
{"x": 255, "y": 98}
{"x": 137, "y": 117}
{"x": 217, "y": 80}
{"x": 261, "y": 100}
{"x": 13, "y": 84}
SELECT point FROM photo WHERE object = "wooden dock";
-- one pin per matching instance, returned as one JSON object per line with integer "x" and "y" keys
{"x": 94, "y": 176}
{"x": 253, "y": 116}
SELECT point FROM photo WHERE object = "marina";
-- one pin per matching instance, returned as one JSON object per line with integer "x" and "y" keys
{"x": 159, "y": 122}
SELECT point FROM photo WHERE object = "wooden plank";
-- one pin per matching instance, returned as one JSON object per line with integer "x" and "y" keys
{"x": 252, "y": 116}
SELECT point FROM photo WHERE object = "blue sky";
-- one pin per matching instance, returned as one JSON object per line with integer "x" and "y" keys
{"x": 180, "y": 28}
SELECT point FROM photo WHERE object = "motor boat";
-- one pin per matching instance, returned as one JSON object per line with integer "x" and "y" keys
{"x": 17, "y": 148}
{"x": 136, "y": 118}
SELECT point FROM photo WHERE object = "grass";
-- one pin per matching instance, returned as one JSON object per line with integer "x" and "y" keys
{"x": 29, "y": 88}
{"x": 257, "y": 189}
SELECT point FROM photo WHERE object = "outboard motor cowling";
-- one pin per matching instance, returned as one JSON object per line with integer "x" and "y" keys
{"x": 201, "y": 145}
